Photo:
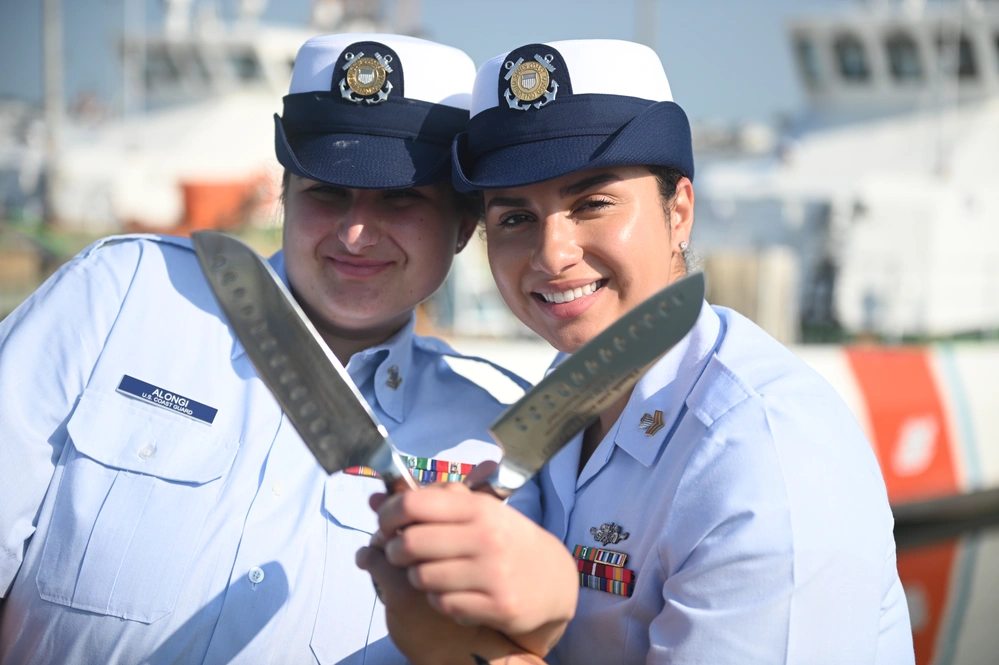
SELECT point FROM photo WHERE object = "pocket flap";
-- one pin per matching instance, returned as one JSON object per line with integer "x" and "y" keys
{"x": 346, "y": 501}
{"x": 121, "y": 433}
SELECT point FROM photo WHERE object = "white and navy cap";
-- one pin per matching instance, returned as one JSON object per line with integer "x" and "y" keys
{"x": 544, "y": 110}
{"x": 373, "y": 111}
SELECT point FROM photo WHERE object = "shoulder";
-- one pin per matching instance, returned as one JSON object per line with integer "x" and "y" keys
{"x": 748, "y": 363}
{"x": 474, "y": 379}
{"x": 777, "y": 432}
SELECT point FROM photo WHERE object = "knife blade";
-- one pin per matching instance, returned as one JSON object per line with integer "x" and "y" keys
{"x": 571, "y": 397}
{"x": 308, "y": 381}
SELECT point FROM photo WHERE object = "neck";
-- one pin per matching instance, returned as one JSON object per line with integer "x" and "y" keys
{"x": 345, "y": 342}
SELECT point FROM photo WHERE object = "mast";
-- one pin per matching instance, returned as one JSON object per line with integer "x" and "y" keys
{"x": 54, "y": 100}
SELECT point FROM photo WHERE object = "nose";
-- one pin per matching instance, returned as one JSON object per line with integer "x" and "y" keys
{"x": 557, "y": 247}
{"x": 359, "y": 229}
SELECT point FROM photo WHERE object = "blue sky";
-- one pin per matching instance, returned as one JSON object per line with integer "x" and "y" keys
{"x": 726, "y": 59}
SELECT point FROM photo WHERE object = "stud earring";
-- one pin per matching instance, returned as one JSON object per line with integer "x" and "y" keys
{"x": 683, "y": 245}
{"x": 461, "y": 245}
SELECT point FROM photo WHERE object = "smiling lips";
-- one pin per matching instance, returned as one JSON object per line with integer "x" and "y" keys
{"x": 356, "y": 266}
{"x": 569, "y": 303}
{"x": 571, "y": 294}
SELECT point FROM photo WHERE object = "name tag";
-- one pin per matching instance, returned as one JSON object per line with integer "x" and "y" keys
{"x": 166, "y": 399}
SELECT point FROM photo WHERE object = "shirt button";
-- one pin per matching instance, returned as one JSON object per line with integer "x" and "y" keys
{"x": 145, "y": 452}
{"x": 256, "y": 575}
{"x": 277, "y": 488}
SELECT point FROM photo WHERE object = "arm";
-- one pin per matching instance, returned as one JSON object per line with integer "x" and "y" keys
{"x": 774, "y": 547}
{"x": 48, "y": 348}
{"x": 481, "y": 561}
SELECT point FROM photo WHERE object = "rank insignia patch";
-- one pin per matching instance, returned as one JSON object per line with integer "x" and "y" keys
{"x": 652, "y": 423}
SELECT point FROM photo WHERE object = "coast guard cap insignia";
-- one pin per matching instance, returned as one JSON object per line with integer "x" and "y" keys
{"x": 365, "y": 73}
{"x": 530, "y": 81}
{"x": 608, "y": 534}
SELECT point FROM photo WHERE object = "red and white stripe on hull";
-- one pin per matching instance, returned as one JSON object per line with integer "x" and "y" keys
{"x": 931, "y": 413}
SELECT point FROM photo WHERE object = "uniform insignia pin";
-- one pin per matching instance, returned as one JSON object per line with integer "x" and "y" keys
{"x": 366, "y": 76}
{"x": 652, "y": 423}
{"x": 529, "y": 81}
{"x": 394, "y": 379}
{"x": 608, "y": 534}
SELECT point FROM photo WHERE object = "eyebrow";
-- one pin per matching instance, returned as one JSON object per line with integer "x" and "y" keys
{"x": 506, "y": 202}
{"x": 588, "y": 183}
{"x": 569, "y": 190}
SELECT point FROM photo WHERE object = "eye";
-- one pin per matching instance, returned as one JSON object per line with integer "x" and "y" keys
{"x": 324, "y": 192}
{"x": 514, "y": 218}
{"x": 403, "y": 194}
{"x": 594, "y": 204}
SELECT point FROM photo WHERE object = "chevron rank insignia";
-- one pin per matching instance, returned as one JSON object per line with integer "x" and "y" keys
{"x": 652, "y": 423}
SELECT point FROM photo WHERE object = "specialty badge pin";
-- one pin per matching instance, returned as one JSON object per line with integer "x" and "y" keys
{"x": 394, "y": 380}
{"x": 652, "y": 423}
{"x": 530, "y": 80}
{"x": 366, "y": 76}
{"x": 608, "y": 534}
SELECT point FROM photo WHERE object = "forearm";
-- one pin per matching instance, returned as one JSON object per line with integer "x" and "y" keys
{"x": 489, "y": 647}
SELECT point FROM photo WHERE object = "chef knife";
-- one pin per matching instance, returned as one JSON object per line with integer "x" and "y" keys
{"x": 308, "y": 381}
{"x": 289, "y": 354}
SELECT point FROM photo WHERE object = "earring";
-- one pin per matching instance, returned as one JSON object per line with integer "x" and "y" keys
{"x": 461, "y": 245}
{"x": 683, "y": 245}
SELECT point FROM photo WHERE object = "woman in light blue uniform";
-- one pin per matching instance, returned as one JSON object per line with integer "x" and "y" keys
{"x": 157, "y": 507}
{"x": 728, "y": 510}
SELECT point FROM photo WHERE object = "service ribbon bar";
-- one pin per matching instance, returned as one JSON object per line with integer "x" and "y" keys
{"x": 610, "y": 586}
{"x": 424, "y": 470}
{"x": 605, "y": 572}
{"x": 597, "y": 555}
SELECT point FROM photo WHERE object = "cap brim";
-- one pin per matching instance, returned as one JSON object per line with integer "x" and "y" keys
{"x": 361, "y": 161}
{"x": 659, "y": 136}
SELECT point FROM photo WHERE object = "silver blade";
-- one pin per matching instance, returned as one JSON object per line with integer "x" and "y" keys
{"x": 307, "y": 380}
{"x": 544, "y": 420}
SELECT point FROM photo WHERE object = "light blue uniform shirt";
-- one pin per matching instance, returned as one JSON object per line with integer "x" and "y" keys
{"x": 133, "y": 533}
{"x": 758, "y": 523}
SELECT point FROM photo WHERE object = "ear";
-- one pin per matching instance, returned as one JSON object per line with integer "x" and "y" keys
{"x": 466, "y": 226}
{"x": 682, "y": 219}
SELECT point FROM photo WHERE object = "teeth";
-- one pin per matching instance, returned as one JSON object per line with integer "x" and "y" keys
{"x": 572, "y": 294}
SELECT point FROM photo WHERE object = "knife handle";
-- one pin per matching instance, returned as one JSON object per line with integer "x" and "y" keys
{"x": 399, "y": 484}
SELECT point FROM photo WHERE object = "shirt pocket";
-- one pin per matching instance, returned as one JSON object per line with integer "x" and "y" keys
{"x": 346, "y": 620}
{"x": 134, "y": 495}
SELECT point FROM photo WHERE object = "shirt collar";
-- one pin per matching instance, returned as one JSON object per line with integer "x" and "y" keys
{"x": 664, "y": 388}
{"x": 391, "y": 363}
{"x": 391, "y": 360}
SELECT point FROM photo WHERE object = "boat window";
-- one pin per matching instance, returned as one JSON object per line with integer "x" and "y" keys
{"x": 808, "y": 61}
{"x": 161, "y": 71}
{"x": 245, "y": 65}
{"x": 903, "y": 57}
{"x": 957, "y": 55}
{"x": 852, "y": 59}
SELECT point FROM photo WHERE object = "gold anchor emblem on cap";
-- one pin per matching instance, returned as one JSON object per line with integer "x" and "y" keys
{"x": 394, "y": 379}
{"x": 366, "y": 76}
{"x": 652, "y": 423}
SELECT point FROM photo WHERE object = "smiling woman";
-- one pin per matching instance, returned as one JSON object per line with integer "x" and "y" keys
{"x": 728, "y": 509}
{"x": 156, "y": 505}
